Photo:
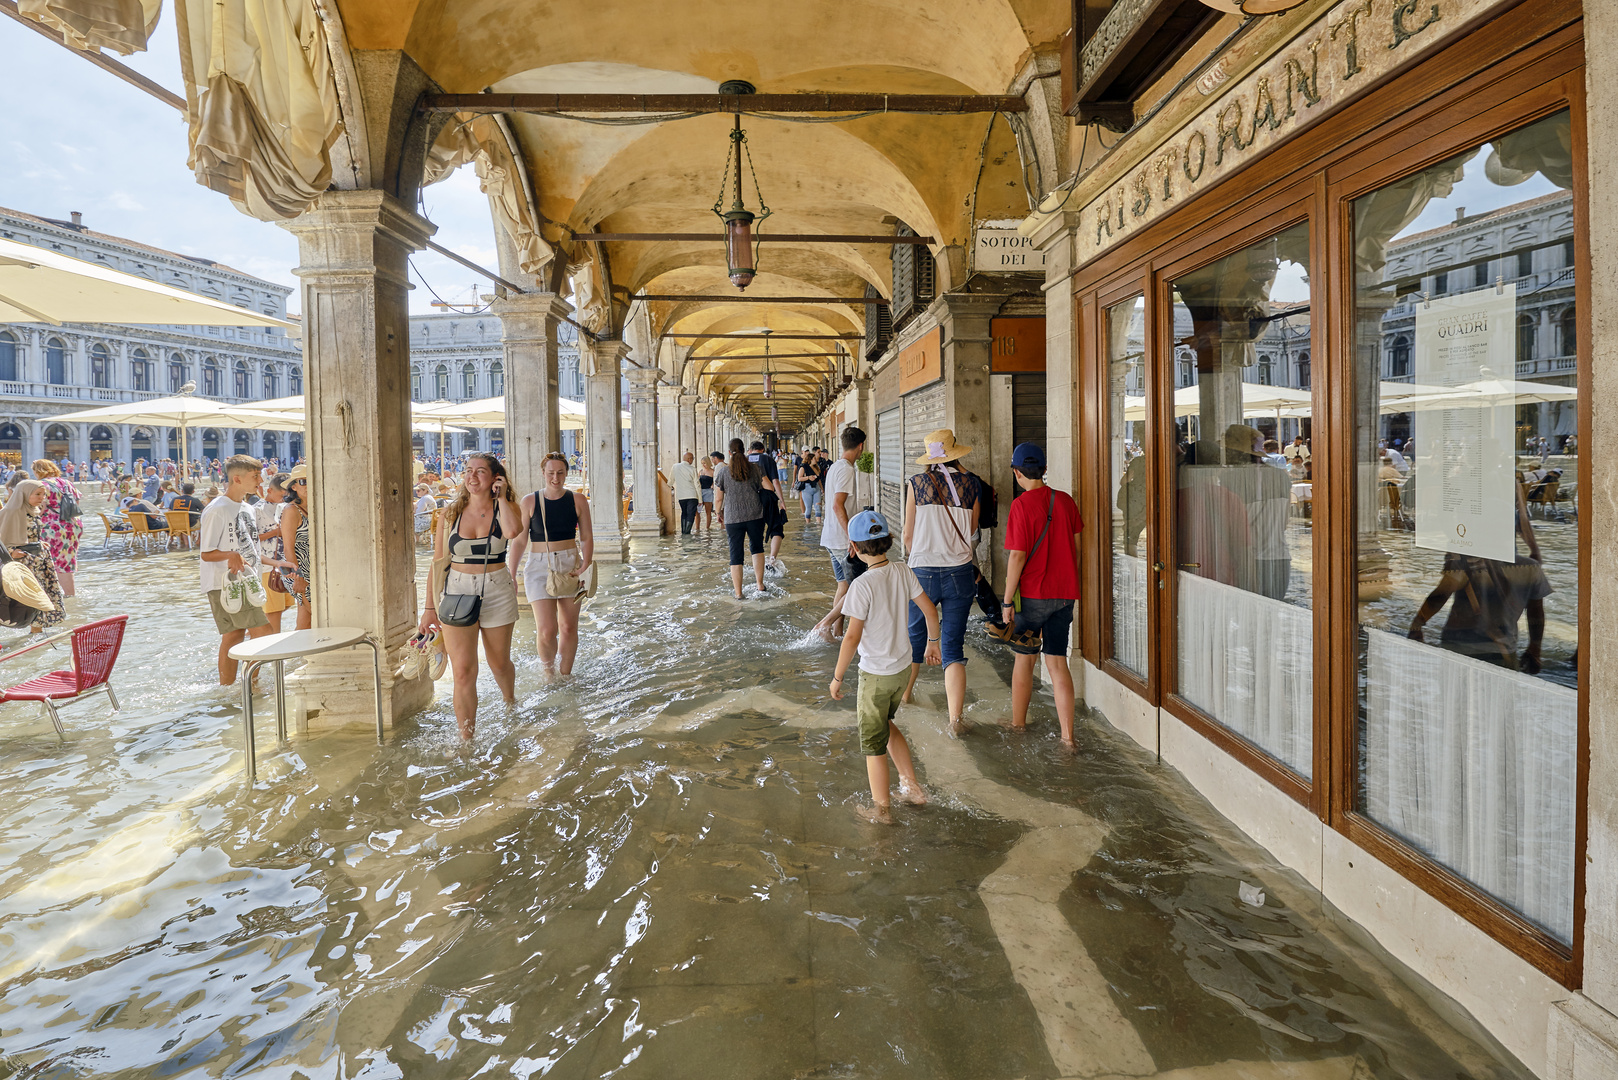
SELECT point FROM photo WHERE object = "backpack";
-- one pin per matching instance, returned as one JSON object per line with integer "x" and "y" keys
{"x": 988, "y": 503}
{"x": 67, "y": 507}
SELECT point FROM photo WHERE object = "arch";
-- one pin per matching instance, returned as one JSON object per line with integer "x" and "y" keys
{"x": 210, "y": 377}
{"x": 140, "y": 371}
{"x": 8, "y": 357}
{"x": 210, "y": 442}
{"x": 100, "y": 366}
{"x": 240, "y": 385}
{"x": 1399, "y": 366}
{"x": 55, "y": 362}
{"x": 101, "y": 442}
{"x": 269, "y": 441}
{"x": 242, "y": 444}
{"x": 140, "y": 443}
{"x": 58, "y": 442}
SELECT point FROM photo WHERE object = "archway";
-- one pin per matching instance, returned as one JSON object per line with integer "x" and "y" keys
{"x": 269, "y": 444}
{"x": 140, "y": 444}
{"x": 210, "y": 442}
{"x": 11, "y": 444}
{"x": 100, "y": 442}
{"x": 57, "y": 446}
{"x": 241, "y": 443}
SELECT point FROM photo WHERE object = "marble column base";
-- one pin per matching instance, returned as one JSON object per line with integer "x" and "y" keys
{"x": 612, "y": 549}
{"x": 334, "y": 690}
{"x": 1582, "y": 1041}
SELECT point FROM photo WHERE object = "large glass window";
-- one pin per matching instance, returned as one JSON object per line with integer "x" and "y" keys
{"x": 1129, "y": 462}
{"x": 8, "y": 358}
{"x": 1245, "y": 641}
{"x": 1467, "y": 525}
{"x": 140, "y": 371}
{"x": 56, "y": 362}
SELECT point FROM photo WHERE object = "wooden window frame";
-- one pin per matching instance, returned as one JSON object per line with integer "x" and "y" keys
{"x": 1521, "y": 65}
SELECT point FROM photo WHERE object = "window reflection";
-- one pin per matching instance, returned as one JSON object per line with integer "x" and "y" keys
{"x": 1245, "y": 640}
{"x": 1126, "y": 411}
{"x": 1467, "y": 515}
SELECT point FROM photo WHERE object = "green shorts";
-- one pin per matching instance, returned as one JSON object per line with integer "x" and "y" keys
{"x": 878, "y": 704}
{"x": 247, "y": 618}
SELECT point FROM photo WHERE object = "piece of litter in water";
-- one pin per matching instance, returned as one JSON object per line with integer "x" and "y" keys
{"x": 1251, "y": 895}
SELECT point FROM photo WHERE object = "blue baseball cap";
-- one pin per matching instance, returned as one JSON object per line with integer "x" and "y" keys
{"x": 1027, "y": 454}
{"x": 868, "y": 525}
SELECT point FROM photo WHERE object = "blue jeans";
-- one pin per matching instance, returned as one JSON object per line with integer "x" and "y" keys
{"x": 952, "y": 589}
{"x": 811, "y": 501}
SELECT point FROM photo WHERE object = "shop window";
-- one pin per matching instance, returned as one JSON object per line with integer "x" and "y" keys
{"x": 1467, "y": 556}
{"x": 8, "y": 357}
{"x": 1244, "y": 587}
{"x": 1130, "y": 469}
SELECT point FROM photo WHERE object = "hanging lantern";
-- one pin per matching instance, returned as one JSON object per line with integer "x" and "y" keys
{"x": 769, "y": 383}
{"x": 741, "y": 252}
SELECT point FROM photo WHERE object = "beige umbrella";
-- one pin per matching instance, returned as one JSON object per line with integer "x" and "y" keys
{"x": 184, "y": 411}
{"x": 293, "y": 406}
{"x": 37, "y": 285}
{"x": 491, "y": 412}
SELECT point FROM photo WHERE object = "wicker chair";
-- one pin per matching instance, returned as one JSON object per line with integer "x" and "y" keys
{"x": 143, "y": 530}
{"x": 120, "y": 530}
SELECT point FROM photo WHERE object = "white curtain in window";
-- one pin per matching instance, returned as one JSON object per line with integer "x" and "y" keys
{"x": 121, "y": 25}
{"x": 260, "y": 101}
{"x": 1248, "y": 662}
{"x": 1475, "y": 765}
{"x": 1131, "y": 578}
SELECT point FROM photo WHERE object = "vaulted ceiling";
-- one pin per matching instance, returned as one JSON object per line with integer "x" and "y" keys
{"x": 935, "y": 173}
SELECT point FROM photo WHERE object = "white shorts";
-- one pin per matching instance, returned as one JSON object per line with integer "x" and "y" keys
{"x": 536, "y": 571}
{"x": 499, "y": 592}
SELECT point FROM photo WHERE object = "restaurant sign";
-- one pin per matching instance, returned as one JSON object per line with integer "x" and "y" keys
{"x": 1353, "y": 45}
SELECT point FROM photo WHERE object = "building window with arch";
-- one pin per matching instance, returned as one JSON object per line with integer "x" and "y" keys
{"x": 241, "y": 378}
{"x": 140, "y": 371}
{"x": 441, "y": 382}
{"x": 1266, "y": 369}
{"x": 177, "y": 373}
{"x": 8, "y": 357}
{"x": 271, "y": 382}
{"x": 1400, "y": 366}
{"x": 469, "y": 381}
{"x": 1568, "y": 325}
{"x": 210, "y": 377}
{"x": 497, "y": 379}
{"x": 415, "y": 384}
{"x": 55, "y": 362}
{"x": 1525, "y": 337}
{"x": 1303, "y": 371}
{"x": 295, "y": 380}
{"x": 100, "y": 367}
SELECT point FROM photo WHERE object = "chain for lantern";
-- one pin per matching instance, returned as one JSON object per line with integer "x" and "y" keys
{"x": 769, "y": 383}
{"x": 741, "y": 252}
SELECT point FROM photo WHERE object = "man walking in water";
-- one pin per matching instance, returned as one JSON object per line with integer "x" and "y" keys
{"x": 834, "y": 530}
{"x": 1042, "y": 545}
{"x": 687, "y": 492}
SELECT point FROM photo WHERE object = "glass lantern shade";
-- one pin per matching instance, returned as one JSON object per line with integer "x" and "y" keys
{"x": 739, "y": 247}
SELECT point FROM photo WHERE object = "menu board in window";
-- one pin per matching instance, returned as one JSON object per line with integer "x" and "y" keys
{"x": 1465, "y": 479}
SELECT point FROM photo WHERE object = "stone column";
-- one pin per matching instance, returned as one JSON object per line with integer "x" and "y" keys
{"x": 1583, "y": 1036}
{"x": 528, "y": 332}
{"x": 645, "y": 521}
{"x": 707, "y": 428}
{"x": 121, "y": 443}
{"x": 603, "y": 468}
{"x": 669, "y": 446}
{"x": 352, "y": 247}
{"x": 691, "y": 424}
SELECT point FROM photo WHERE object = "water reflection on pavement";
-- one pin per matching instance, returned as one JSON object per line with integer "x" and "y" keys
{"x": 654, "y": 870}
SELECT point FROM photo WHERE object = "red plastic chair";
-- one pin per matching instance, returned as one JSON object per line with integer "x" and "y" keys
{"x": 95, "y": 651}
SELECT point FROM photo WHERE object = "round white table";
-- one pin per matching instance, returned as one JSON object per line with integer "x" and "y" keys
{"x": 294, "y": 645}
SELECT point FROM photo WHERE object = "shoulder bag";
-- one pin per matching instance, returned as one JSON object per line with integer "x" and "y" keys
{"x": 454, "y": 609}
{"x": 557, "y": 584}
{"x": 1026, "y": 639}
{"x": 67, "y": 507}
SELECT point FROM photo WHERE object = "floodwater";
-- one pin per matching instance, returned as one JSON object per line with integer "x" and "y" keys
{"x": 652, "y": 871}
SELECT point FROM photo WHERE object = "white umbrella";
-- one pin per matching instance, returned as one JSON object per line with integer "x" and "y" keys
{"x": 185, "y": 411}
{"x": 37, "y": 285}
{"x": 491, "y": 412}
{"x": 294, "y": 406}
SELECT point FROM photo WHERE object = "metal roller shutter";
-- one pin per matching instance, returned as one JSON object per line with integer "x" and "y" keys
{"x": 1028, "y": 408}
{"x": 924, "y": 414}
{"x": 890, "y": 462}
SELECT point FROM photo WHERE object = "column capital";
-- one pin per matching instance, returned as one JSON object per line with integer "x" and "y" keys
{"x": 603, "y": 355}
{"x": 670, "y": 396}
{"x": 644, "y": 378}
{"x": 335, "y": 233}
{"x": 530, "y": 314}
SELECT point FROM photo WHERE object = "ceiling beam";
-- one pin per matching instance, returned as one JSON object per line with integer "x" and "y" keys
{"x": 772, "y": 336}
{"x": 813, "y": 102}
{"x": 777, "y": 238}
{"x": 765, "y": 356}
{"x": 744, "y": 299}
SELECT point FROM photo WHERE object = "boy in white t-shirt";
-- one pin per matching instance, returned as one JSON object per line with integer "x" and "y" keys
{"x": 878, "y": 609}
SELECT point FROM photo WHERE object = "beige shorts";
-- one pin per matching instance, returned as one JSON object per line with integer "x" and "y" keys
{"x": 536, "y": 571}
{"x": 499, "y": 592}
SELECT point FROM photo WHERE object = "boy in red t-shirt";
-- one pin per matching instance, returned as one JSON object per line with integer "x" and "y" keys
{"x": 1042, "y": 545}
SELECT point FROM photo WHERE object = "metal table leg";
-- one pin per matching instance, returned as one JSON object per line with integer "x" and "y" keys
{"x": 376, "y": 680}
{"x": 280, "y": 702}
{"x": 247, "y": 719}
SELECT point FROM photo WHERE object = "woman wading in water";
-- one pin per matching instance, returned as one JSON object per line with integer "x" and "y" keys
{"x": 562, "y": 548}
{"x": 472, "y": 536}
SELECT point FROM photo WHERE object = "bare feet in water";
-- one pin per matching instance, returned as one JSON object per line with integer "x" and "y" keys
{"x": 876, "y": 815}
{"x": 957, "y": 726}
{"x": 914, "y": 796}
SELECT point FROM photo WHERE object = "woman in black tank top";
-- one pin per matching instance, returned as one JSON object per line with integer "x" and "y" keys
{"x": 558, "y": 539}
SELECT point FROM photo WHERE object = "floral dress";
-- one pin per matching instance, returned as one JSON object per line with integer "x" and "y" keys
{"x": 44, "y": 572}
{"x": 60, "y": 538}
